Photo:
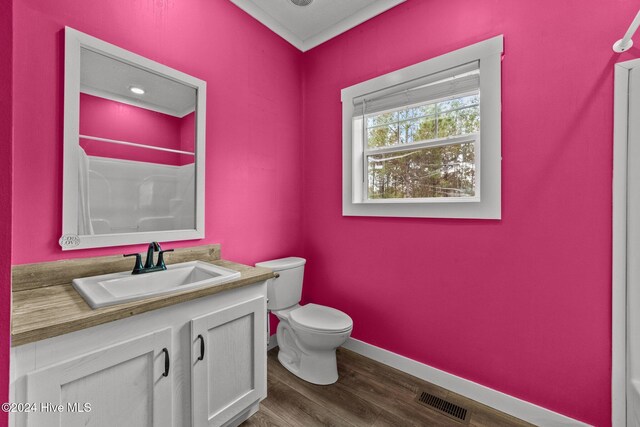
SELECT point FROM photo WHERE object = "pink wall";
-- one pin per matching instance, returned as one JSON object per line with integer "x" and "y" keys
{"x": 253, "y": 199}
{"x": 253, "y": 151}
{"x": 108, "y": 119}
{"x": 521, "y": 305}
{"x": 6, "y": 97}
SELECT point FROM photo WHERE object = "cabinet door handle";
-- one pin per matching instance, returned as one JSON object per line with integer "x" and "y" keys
{"x": 201, "y": 357}
{"x": 167, "y": 362}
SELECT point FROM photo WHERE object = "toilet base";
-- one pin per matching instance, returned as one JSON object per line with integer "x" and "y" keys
{"x": 320, "y": 368}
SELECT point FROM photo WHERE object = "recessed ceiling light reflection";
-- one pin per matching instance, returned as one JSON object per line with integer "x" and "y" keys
{"x": 137, "y": 90}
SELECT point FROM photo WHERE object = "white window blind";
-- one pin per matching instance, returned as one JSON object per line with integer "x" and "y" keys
{"x": 452, "y": 82}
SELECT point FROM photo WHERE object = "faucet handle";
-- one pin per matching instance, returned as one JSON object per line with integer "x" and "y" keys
{"x": 160, "y": 262}
{"x": 137, "y": 268}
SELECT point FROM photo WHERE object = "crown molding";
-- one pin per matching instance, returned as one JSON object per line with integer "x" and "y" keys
{"x": 330, "y": 32}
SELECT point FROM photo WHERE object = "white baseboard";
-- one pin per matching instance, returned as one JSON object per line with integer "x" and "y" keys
{"x": 518, "y": 408}
{"x": 502, "y": 402}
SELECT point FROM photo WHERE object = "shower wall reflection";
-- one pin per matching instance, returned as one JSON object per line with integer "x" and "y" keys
{"x": 148, "y": 185}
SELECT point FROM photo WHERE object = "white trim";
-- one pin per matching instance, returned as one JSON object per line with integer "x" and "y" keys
{"x": 346, "y": 24}
{"x": 268, "y": 21}
{"x": 350, "y": 22}
{"x": 619, "y": 244}
{"x": 489, "y": 55}
{"x": 502, "y": 402}
{"x": 74, "y": 41}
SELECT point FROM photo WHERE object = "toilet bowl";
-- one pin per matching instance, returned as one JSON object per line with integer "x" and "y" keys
{"x": 308, "y": 335}
{"x": 308, "y": 349}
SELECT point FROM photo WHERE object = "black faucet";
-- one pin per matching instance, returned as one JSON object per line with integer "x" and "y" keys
{"x": 149, "y": 266}
{"x": 153, "y": 247}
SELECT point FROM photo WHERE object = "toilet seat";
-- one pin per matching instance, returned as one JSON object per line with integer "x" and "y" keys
{"x": 319, "y": 318}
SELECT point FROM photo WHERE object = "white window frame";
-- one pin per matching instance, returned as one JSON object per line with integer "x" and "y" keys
{"x": 487, "y": 202}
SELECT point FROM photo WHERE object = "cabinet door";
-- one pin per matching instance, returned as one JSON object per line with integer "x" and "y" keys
{"x": 123, "y": 385}
{"x": 228, "y": 362}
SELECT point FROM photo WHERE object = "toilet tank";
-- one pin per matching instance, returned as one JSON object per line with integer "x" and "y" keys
{"x": 286, "y": 290}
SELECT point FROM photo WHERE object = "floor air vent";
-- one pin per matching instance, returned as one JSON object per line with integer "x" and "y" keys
{"x": 444, "y": 407}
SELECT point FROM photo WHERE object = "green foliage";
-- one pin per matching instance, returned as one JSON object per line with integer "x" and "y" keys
{"x": 441, "y": 171}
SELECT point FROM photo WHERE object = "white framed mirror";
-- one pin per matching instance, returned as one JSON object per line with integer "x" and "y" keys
{"x": 134, "y": 148}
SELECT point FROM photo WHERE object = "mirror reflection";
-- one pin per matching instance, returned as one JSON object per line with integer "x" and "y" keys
{"x": 137, "y": 139}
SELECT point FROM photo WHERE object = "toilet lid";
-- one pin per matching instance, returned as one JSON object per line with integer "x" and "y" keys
{"x": 283, "y": 263}
{"x": 321, "y": 318}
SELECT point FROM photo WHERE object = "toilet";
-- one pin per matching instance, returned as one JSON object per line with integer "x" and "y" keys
{"x": 308, "y": 335}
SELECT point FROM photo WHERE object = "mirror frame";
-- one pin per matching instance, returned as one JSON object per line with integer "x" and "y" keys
{"x": 74, "y": 41}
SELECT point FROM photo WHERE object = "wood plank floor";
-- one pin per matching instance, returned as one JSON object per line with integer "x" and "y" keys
{"x": 367, "y": 394}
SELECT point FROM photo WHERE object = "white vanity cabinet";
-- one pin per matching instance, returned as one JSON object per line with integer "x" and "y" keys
{"x": 122, "y": 384}
{"x": 229, "y": 362}
{"x": 119, "y": 368}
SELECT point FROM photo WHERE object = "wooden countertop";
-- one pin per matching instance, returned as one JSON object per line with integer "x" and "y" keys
{"x": 41, "y": 312}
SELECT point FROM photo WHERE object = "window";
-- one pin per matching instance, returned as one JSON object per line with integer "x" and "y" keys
{"x": 424, "y": 141}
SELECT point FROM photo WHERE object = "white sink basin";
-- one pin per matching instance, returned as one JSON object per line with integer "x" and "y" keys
{"x": 116, "y": 288}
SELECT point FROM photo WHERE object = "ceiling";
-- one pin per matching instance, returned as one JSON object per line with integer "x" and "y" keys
{"x": 306, "y": 27}
{"x": 106, "y": 77}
